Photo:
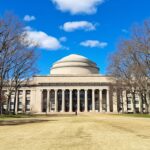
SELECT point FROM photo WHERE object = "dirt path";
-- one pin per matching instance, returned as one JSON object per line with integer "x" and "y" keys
{"x": 85, "y": 132}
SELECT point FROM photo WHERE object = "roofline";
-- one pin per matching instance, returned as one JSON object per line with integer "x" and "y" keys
{"x": 73, "y": 75}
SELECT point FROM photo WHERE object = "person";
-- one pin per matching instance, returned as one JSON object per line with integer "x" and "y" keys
{"x": 76, "y": 113}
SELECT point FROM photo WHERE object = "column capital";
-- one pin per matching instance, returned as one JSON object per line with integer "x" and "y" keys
{"x": 56, "y": 90}
{"x": 31, "y": 90}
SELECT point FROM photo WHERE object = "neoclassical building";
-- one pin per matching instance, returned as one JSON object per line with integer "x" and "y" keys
{"x": 74, "y": 84}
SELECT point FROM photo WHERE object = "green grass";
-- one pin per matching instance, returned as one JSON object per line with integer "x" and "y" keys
{"x": 20, "y": 116}
{"x": 135, "y": 115}
{"x": 11, "y": 116}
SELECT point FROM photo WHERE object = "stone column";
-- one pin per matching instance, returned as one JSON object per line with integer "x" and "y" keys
{"x": 124, "y": 101}
{"x": 115, "y": 103}
{"x": 41, "y": 100}
{"x": 70, "y": 101}
{"x": 86, "y": 101}
{"x": 63, "y": 100}
{"x": 50, "y": 103}
{"x": 108, "y": 102}
{"x": 100, "y": 101}
{"x": 93, "y": 100}
{"x": 47, "y": 102}
{"x": 78, "y": 101}
{"x": 56, "y": 107}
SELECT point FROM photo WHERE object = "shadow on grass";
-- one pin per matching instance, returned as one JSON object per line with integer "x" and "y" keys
{"x": 59, "y": 115}
{"x": 21, "y": 122}
{"x": 134, "y": 115}
{"x": 34, "y": 116}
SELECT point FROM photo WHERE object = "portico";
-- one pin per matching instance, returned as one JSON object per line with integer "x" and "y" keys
{"x": 75, "y": 99}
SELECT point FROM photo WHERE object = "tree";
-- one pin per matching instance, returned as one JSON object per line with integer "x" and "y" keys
{"x": 130, "y": 64}
{"x": 17, "y": 58}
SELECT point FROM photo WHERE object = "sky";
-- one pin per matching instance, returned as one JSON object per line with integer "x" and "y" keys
{"x": 91, "y": 28}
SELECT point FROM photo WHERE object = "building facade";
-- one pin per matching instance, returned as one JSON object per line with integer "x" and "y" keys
{"x": 74, "y": 84}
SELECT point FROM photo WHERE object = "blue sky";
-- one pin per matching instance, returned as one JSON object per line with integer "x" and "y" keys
{"x": 91, "y": 28}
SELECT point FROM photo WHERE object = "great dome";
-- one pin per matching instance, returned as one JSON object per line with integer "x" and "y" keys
{"x": 74, "y": 64}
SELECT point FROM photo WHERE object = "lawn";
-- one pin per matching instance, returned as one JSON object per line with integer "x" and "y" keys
{"x": 82, "y": 132}
{"x": 135, "y": 115}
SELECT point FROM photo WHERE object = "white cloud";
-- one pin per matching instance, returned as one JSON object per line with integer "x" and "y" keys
{"x": 76, "y": 25}
{"x": 124, "y": 30}
{"x": 29, "y": 18}
{"x": 94, "y": 43}
{"x": 27, "y": 28}
{"x": 63, "y": 39}
{"x": 42, "y": 40}
{"x": 78, "y": 6}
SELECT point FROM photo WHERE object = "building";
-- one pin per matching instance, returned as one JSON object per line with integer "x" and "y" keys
{"x": 74, "y": 84}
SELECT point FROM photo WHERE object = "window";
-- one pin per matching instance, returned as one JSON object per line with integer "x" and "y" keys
{"x": 27, "y": 107}
{"x": 20, "y": 106}
{"x": 27, "y": 102}
{"x": 13, "y": 93}
{"x": 11, "y": 103}
{"x": 129, "y": 108}
{"x": 28, "y": 92}
{"x": 129, "y": 102}
{"x": 20, "y": 103}
{"x": 20, "y": 92}
{"x": 136, "y": 102}
{"x": 27, "y": 98}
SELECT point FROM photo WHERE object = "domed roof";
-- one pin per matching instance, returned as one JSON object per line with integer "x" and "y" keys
{"x": 74, "y": 64}
{"x": 74, "y": 57}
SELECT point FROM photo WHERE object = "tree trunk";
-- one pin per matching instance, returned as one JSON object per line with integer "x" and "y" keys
{"x": 1, "y": 108}
{"x": 8, "y": 103}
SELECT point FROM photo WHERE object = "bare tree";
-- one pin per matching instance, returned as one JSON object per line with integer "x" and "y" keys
{"x": 17, "y": 63}
{"x": 130, "y": 64}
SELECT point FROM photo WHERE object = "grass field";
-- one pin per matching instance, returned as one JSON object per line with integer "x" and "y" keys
{"x": 82, "y": 132}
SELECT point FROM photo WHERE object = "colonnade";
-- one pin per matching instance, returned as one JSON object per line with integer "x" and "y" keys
{"x": 71, "y": 100}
